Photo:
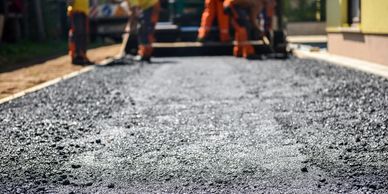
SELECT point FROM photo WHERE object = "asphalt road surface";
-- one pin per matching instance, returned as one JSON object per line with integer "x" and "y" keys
{"x": 200, "y": 125}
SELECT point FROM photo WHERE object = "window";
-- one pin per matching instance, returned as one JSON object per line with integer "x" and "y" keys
{"x": 354, "y": 17}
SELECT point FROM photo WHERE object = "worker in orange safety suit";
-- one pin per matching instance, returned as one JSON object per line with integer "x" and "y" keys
{"x": 244, "y": 17}
{"x": 147, "y": 12}
{"x": 78, "y": 11}
{"x": 214, "y": 8}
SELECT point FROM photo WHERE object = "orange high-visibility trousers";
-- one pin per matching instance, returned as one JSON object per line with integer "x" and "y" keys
{"x": 242, "y": 48}
{"x": 148, "y": 21}
{"x": 239, "y": 21}
{"x": 212, "y": 9}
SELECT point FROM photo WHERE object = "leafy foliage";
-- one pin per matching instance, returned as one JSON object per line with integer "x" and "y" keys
{"x": 305, "y": 10}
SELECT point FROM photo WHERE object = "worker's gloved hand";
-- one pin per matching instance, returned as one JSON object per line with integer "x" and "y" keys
{"x": 136, "y": 11}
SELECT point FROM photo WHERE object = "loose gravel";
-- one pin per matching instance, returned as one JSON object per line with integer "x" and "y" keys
{"x": 200, "y": 125}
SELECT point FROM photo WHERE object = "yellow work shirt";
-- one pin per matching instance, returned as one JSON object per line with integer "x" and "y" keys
{"x": 80, "y": 5}
{"x": 143, "y": 4}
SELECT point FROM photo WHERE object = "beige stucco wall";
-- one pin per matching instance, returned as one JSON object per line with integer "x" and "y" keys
{"x": 367, "y": 47}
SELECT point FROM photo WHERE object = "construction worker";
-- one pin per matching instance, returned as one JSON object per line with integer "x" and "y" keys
{"x": 147, "y": 12}
{"x": 244, "y": 18}
{"x": 214, "y": 8}
{"x": 78, "y": 11}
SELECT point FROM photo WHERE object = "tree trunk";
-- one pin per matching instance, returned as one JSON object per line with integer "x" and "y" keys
{"x": 39, "y": 20}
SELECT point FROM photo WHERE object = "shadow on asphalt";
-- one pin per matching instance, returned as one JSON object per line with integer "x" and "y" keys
{"x": 120, "y": 62}
{"x": 162, "y": 62}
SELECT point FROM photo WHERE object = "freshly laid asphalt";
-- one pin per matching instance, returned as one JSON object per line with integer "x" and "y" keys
{"x": 200, "y": 125}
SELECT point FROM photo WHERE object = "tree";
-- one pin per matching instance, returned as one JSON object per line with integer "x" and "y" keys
{"x": 39, "y": 19}
{"x": 305, "y": 10}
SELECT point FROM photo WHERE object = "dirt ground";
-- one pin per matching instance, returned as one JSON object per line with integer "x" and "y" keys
{"x": 15, "y": 81}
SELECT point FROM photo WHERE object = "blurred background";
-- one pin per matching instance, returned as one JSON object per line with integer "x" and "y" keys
{"x": 40, "y": 20}
{"x": 25, "y": 25}
{"x": 341, "y": 26}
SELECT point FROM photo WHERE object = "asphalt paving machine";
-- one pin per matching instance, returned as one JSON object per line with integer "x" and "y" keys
{"x": 176, "y": 33}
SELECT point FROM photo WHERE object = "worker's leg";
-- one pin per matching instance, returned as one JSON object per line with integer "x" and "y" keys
{"x": 239, "y": 36}
{"x": 243, "y": 47}
{"x": 231, "y": 12}
{"x": 83, "y": 34}
{"x": 223, "y": 22}
{"x": 207, "y": 18}
{"x": 80, "y": 34}
{"x": 78, "y": 38}
{"x": 72, "y": 46}
{"x": 144, "y": 42}
{"x": 154, "y": 21}
{"x": 148, "y": 21}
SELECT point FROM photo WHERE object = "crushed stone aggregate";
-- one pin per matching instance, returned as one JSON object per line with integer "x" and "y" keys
{"x": 200, "y": 125}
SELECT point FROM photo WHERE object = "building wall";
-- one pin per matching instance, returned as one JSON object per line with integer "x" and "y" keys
{"x": 368, "y": 41}
{"x": 374, "y": 16}
{"x": 368, "y": 47}
{"x": 335, "y": 13}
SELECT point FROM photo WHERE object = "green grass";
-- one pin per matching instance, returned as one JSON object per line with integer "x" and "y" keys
{"x": 11, "y": 54}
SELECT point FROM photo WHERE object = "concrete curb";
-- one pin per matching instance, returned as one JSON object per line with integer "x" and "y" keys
{"x": 365, "y": 66}
{"x": 306, "y": 39}
{"x": 45, "y": 84}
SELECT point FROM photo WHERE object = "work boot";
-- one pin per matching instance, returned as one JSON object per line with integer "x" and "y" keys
{"x": 140, "y": 58}
{"x": 88, "y": 62}
{"x": 238, "y": 55}
{"x": 201, "y": 39}
{"x": 81, "y": 61}
{"x": 255, "y": 57}
{"x": 237, "y": 52}
{"x": 78, "y": 61}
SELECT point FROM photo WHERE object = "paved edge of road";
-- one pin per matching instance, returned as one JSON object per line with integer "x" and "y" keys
{"x": 45, "y": 84}
{"x": 365, "y": 66}
{"x": 307, "y": 39}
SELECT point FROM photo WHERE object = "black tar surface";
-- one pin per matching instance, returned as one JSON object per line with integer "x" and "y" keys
{"x": 200, "y": 125}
